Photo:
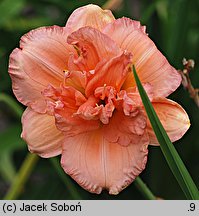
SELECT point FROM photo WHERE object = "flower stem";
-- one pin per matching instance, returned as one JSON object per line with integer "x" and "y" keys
{"x": 186, "y": 81}
{"x": 66, "y": 180}
{"x": 142, "y": 187}
{"x": 12, "y": 104}
{"x": 21, "y": 177}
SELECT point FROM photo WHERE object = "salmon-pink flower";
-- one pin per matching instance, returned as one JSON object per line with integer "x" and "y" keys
{"x": 82, "y": 98}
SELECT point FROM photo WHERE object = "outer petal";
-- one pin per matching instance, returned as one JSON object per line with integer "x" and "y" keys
{"x": 150, "y": 64}
{"x": 110, "y": 73}
{"x": 89, "y": 15}
{"x": 93, "y": 46}
{"x": 97, "y": 164}
{"x": 173, "y": 117}
{"x": 40, "y": 60}
{"x": 41, "y": 134}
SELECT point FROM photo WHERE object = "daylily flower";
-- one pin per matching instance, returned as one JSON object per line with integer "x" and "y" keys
{"x": 82, "y": 100}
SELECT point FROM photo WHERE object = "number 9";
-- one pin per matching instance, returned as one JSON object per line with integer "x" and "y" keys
{"x": 192, "y": 206}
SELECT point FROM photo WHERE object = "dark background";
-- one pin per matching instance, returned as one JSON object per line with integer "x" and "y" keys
{"x": 172, "y": 24}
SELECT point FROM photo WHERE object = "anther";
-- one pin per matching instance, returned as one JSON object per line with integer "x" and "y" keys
{"x": 92, "y": 72}
{"x": 66, "y": 73}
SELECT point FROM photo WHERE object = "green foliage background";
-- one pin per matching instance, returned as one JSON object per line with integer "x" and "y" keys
{"x": 172, "y": 24}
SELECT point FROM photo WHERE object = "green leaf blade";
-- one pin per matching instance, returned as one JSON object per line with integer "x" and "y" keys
{"x": 171, "y": 155}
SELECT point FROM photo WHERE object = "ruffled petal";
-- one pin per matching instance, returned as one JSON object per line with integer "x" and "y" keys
{"x": 40, "y": 60}
{"x": 97, "y": 164}
{"x": 173, "y": 117}
{"x": 110, "y": 73}
{"x": 63, "y": 103}
{"x": 126, "y": 130}
{"x": 89, "y": 15}
{"x": 41, "y": 134}
{"x": 150, "y": 64}
{"x": 71, "y": 124}
{"x": 92, "y": 46}
{"x": 130, "y": 100}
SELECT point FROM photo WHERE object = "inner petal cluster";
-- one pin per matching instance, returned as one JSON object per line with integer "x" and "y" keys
{"x": 71, "y": 103}
{"x": 100, "y": 105}
{"x": 93, "y": 93}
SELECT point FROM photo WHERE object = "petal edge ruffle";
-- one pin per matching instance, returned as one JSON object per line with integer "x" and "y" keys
{"x": 97, "y": 164}
{"x": 40, "y": 60}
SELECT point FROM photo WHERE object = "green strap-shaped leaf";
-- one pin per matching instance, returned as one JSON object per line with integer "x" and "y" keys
{"x": 22, "y": 177}
{"x": 143, "y": 188}
{"x": 171, "y": 155}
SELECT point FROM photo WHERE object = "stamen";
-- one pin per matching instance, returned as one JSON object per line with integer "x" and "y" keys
{"x": 77, "y": 49}
{"x": 103, "y": 93}
{"x": 66, "y": 76}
